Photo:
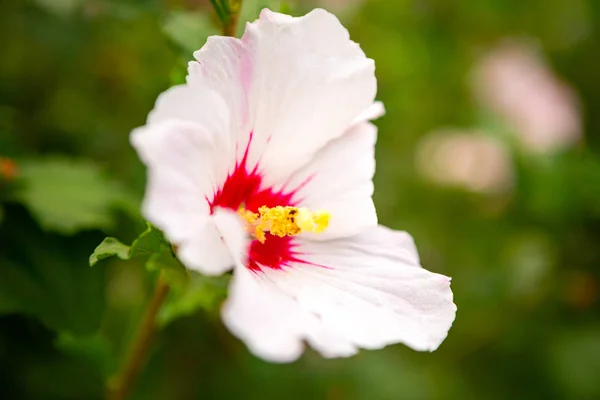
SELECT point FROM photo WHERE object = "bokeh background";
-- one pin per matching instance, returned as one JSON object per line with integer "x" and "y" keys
{"x": 489, "y": 155}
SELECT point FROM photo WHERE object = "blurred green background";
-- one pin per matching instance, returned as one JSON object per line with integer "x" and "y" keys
{"x": 515, "y": 223}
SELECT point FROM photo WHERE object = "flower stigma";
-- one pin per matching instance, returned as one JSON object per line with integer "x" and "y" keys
{"x": 284, "y": 221}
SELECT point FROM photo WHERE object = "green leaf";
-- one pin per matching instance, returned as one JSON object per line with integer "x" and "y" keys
{"x": 93, "y": 350}
{"x": 149, "y": 242}
{"x": 200, "y": 293}
{"x": 68, "y": 195}
{"x": 108, "y": 248}
{"x": 43, "y": 276}
{"x": 189, "y": 291}
{"x": 174, "y": 273}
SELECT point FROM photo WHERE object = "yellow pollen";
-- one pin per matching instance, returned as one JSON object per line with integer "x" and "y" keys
{"x": 284, "y": 221}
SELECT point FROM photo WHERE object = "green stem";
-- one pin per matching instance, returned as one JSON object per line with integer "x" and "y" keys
{"x": 219, "y": 10}
{"x": 120, "y": 385}
{"x": 230, "y": 24}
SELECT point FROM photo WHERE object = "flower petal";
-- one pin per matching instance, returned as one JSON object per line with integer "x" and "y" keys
{"x": 339, "y": 179}
{"x": 366, "y": 291}
{"x": 183, "y": 171}
{"x": 269, "y": 323}
{"x": 215, "y": 244}
{"x": 205, "y": 107}
{"x": 374, "y": 111}
{"x": 225, "y": 65}
{"x": 300, "y": 82}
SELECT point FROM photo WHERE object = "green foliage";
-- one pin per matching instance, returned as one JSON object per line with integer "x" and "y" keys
{"x": 108, "y": 248}
{"x": 220, "y": 7}
{"x": 165, "y": 262}
{"x": 196, "y": 292}
{"x": 189, "y": 291}
{"x": 149, "y": 243}
{"x": 39, "y": 280}
{"x": 189, "y": 29}
{"x": 77, "y": 76}
{"x": 68, "y": 195}
{"x": 93, "y": 350}
{"x": 574, "y": 360}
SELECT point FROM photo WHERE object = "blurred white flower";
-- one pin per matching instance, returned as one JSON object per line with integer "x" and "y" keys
{"x": 465, "y": 159}
{"x": 514, "y": 82}
{"x": 270, "y": 129}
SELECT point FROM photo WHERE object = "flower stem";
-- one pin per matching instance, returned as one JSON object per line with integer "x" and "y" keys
{"x": 230, "y": 24}
{"x": 120, "y": 385}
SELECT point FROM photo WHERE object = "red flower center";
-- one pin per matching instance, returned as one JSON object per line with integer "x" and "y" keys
{"x": 243, "y": 187}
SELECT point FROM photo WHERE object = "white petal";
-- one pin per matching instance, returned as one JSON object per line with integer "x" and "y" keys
{"x": 202, "y": 106}
{"x": 374, "y": 111}
{"x": 183, "y": 170}
{"x": 339, "y": 179}
{"x": 215, "y": 244}
{"x": 366, "y": 291}
{"x": 225, "y": 65}
{"x": 193, "y": 104}
{"x": 270, "y": 324}
{"x": 300, "y": 82}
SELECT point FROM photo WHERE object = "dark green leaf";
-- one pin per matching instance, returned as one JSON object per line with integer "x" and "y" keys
{"x": 44, "y": 275}
{"x": 92, "y": 350}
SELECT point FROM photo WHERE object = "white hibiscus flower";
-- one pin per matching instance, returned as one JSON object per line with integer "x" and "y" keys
{"x": 263, "y": 163}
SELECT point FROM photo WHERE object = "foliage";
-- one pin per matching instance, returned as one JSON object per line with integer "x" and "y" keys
{"x": 78, "y": 75}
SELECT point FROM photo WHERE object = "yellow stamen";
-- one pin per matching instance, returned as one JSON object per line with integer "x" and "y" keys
{"x": 284, "y": 221}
